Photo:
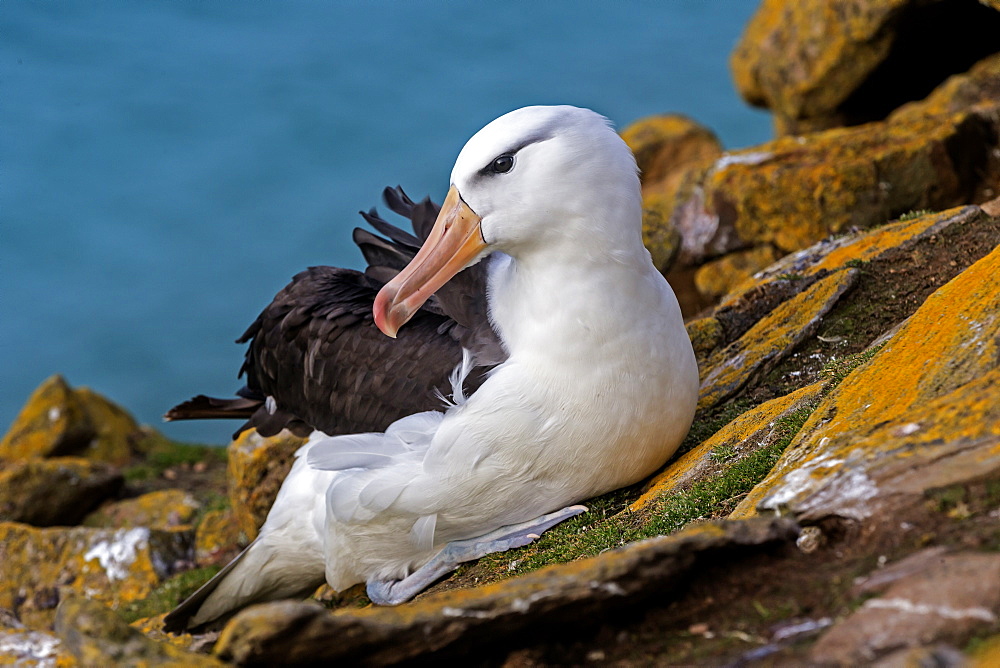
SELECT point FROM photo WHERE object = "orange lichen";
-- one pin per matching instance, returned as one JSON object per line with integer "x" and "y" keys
{"x": 717, "y": 277}
{"x": 748, "y": 431}
{"x": 161, "y": 509}
{"x": 803, "y": 59}
{"x": 930, "y": 384}
{"x": 792, "y": 193}
{"x": 39, "y": 567}
{"x": 770, "y": 339}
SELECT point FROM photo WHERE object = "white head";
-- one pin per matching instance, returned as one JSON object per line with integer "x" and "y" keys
{"x": 532, "y": 173}
{"x": 536, "y": 177}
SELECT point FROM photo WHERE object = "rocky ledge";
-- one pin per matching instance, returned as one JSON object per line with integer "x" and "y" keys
{"x": 837, "y": 501}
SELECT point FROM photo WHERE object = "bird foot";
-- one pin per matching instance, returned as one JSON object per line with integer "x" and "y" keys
{"x": 394, "y": 592}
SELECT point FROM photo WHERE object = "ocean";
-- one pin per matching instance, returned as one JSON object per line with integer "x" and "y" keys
{"x": 166, "y": 167}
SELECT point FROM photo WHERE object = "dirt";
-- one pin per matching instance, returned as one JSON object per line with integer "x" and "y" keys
{"x": 887, "y": 292}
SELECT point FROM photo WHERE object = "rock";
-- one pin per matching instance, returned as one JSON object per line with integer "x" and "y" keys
{"x": 955, "y": 595}
{"x": 257, "y": 467}
{"x": 52, "y": 422}
{"x": 922, "y": 413}
{"x": 58, "y": 420}
{"x": 767, "y": 342}
{"x": 659, "y": 234}
{"x": 163, "y": 509}
{"x": 820, "y": 64}
{"x": 40, "y": 567}
{"x": 288, "y": 632}
{"x": 26, "y": 649}
{"x": 666, "y": 145}
{"x": 668, "y": 149}
{"x": 706, "y": 335}
{"x": 749, "y": 433}
{"x": 117, "y": 434}
{"x": 794, "y": 192}
{"x": 57, "y": 491}
{"x": 717, "y": 278}
{"x": 980, "y": 85}
{"x": 98, "y": 637}
{"x": 217, "y": 538}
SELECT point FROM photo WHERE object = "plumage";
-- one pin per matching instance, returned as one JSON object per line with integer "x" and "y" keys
{"x": 597, "y": 391}
{"x": 316, "y": 352}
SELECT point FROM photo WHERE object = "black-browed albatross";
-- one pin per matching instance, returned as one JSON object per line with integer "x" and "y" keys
{"x": 597, "y": 391}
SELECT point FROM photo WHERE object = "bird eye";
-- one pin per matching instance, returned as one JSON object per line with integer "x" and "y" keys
{"x": 502, "y": 164}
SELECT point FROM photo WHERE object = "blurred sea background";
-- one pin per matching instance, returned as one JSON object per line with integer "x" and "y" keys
{"x": 166, "y": 167}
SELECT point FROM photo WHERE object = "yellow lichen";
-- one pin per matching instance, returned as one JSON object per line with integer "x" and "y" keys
{"x": 769, "y": 339}
{"x": 925, "y": 385}
{"x": 160, "y": 509}
{"x": 257, "y": 467}
{"x": 717, "y": 277}
{"x": 756, "y": 424}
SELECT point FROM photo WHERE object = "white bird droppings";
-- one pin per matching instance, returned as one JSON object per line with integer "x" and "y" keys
{"x": 117, "y": 554}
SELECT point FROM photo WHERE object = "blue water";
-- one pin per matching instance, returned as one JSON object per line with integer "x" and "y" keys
{"x": 166, "y": 167}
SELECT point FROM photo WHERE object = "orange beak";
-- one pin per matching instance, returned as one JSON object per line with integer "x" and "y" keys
{"x": 455, "y": 240}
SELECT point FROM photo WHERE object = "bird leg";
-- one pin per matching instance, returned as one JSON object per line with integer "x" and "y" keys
{"x": 394, "y": 592}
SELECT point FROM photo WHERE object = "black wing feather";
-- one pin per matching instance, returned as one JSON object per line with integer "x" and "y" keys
{"x": 315, "y": 348}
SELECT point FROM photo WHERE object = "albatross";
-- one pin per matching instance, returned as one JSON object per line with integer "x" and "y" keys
{"x": 596, "y": 392}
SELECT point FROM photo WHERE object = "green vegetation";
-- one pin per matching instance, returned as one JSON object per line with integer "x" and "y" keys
{"x": 838, "y": 369}
{"x": 160, "y": 453}
{"x": 609, "y": 524}
{"x": 167, "y": 595}
{"x": 915, "y": 213}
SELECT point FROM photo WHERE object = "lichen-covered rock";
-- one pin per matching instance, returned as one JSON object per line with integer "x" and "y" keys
{"x": 668, "y": 149}
{"x": 52, "y": 422}
{"x": 58, "y": 420}
{"x": 665, "y": 145}
{"x": 257, "y": 467}
{"x": 767, "y": 342}
{"x": 57, "y": 491}
{"x": 163, "y": 509}
{"x": 980, "y": 85}
{"x": 750, "y": 432}
{"x": 23, "y": 647}
{"x": 952, "y": 596}
{"x": 217, "y": 539}
{"x": 922, "y": 413}
{"x": 31, "y": 649}
{"x": 40, "y": 567}
{"x": 793, "y": 192}
{"x": 98, "y": 637}
{"x": 719, "y": 277}
{"x": 821, "y": 63}
{"x": 306, "y": 633}
{"x": 706, "y": 335}
{"x": 116, "y": 433}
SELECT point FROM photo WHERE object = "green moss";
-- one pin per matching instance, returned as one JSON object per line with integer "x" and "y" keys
{"x": 723, "y": 453}
{"x": 609, "y": 524}
{"x": 160, "y": 454}
{"x": 838, "y": 369}
{"x": 916, "y": 213}
{"x": 855, "y": 263}
{"x": 167, "y": 595}
{"x": 708, "y": 422}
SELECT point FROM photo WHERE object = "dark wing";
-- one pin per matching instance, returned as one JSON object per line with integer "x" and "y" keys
{"x": 315, "y": 350}
{"x": 462, "y": 299}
